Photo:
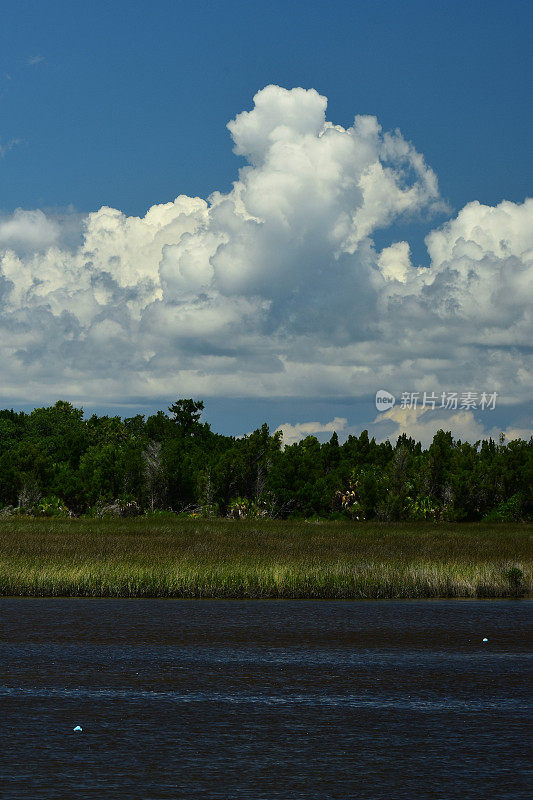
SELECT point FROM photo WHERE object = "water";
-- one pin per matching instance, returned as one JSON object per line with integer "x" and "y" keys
{"x": 273, "y": 700}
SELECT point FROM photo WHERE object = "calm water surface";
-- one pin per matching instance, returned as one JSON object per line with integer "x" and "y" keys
{"x": 273, "y": 700}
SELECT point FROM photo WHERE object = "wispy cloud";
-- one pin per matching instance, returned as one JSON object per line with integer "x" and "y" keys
{"x": 34, "y": 60}
{"x": 5, "y": 147}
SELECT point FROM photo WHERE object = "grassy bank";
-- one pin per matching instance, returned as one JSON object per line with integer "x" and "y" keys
{"x": 220, "y": 558}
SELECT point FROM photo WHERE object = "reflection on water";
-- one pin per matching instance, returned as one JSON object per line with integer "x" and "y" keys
{"x": 264, "y": 700}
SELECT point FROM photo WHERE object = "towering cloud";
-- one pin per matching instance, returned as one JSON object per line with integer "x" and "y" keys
{"x": 275, "y": 288}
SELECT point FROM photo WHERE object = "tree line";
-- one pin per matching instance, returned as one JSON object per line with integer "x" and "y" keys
{"x": 53, "y": 461}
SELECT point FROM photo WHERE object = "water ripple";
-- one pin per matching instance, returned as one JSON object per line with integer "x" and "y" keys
{"x": 504, "y": 705}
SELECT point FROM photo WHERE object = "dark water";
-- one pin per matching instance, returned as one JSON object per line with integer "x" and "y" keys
{"x": 264, "y": 700}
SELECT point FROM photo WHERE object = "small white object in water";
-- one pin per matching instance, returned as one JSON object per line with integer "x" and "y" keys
{"x": 78, "y": 728}
{"x": 485, "y": 639}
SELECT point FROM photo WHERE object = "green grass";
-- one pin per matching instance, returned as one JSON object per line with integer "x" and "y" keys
{"x": 221, "y": 558}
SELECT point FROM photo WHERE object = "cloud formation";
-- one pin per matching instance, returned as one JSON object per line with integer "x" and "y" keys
{"x": 275, "y": 288}
{"x": 293, "y": 433}
{"x": 423, "y": 423}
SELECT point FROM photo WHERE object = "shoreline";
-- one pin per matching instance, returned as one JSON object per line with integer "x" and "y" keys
{"x": 379, "y": 582}
{"x": 237, "y": 599}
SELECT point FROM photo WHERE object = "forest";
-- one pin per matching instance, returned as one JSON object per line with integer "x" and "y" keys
{"x": 56, "y": 462}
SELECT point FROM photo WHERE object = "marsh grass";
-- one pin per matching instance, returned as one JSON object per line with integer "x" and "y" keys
{"x": 232, "y": 559}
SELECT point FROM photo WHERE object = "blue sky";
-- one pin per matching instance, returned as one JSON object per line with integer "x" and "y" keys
{"x": 125, "y": 104}
{"x": 130, "y": 101}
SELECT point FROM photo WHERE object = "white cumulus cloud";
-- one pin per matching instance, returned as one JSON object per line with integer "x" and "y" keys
{"x": 423, "y": 423}
{"x": 276, "y": 287}
{"x": 293, "y": 433}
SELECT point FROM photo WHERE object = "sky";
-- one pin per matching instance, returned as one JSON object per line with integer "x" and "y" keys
{"x": 278, "y": 208}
